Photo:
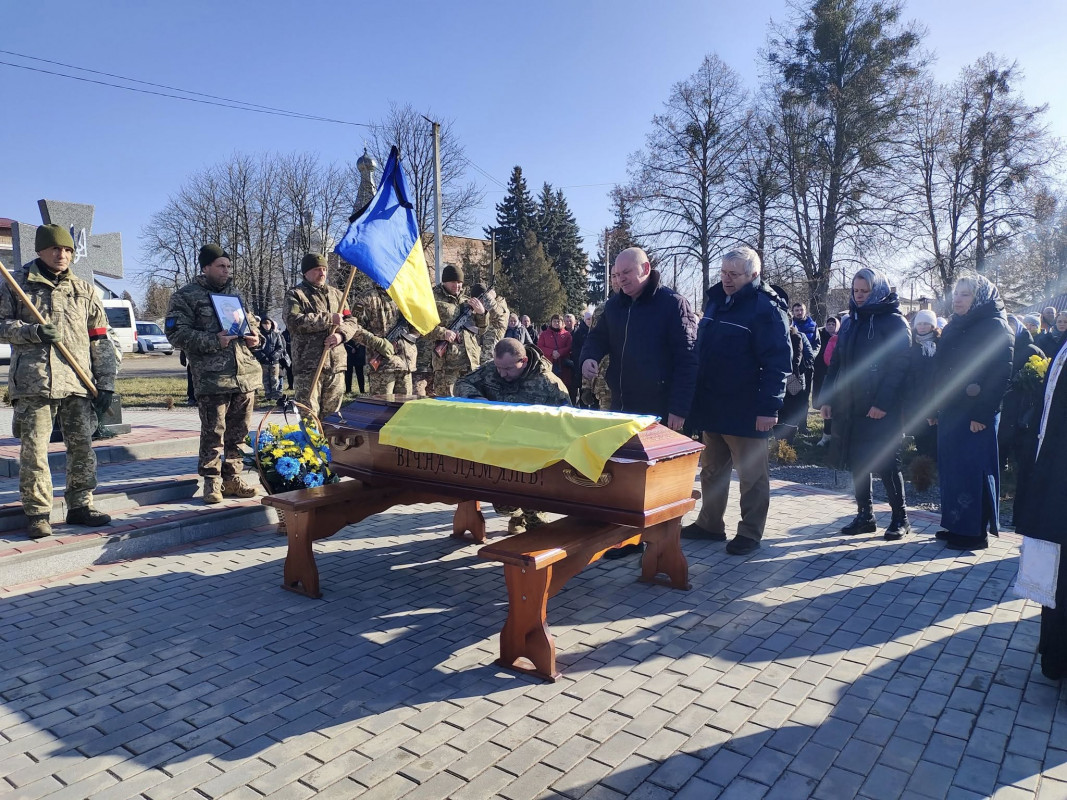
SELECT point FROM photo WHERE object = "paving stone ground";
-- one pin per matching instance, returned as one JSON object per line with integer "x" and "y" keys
{"x": 821, "y": 666}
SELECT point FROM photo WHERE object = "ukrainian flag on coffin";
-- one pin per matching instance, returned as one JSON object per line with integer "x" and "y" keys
{"x": 383, "y": 242}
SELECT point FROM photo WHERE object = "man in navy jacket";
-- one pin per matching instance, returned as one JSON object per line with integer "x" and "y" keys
{"x": 745, "y": 356}
{"x": 649, "y": 331}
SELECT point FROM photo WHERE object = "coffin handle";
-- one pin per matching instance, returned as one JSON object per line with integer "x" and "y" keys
{"x": 578, "y": 479}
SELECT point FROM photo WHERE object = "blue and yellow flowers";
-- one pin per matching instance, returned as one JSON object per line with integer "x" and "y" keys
{"x": 292, "y": 456}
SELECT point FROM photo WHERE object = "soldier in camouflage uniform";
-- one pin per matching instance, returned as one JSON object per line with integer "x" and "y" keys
{"x": 318, "y": 318}
{"x": 43, "y": 385}
{"x": 225, "y": 374}
{"x": 519, "y": 374}
{"x": 496, "y": 321}
{"x": 456, "y": 353}
{"x": 422, "y": 378}
{"x": 386, "y": 374}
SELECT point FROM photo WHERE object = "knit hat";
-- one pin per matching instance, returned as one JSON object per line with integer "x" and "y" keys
{"x": 1032, "y": 319}
{"x": 52, "y": 236}
{"x": 209, "y": 254}
{"x": 451, "y": 272}
{"x": 927, "y": 316}
{"x": 312, "y": 261}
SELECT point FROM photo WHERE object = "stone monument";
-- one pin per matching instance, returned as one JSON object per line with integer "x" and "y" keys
{"x": 94, "y": 254}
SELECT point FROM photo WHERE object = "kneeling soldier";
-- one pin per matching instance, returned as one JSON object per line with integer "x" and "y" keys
{"x": 43, "y": 385}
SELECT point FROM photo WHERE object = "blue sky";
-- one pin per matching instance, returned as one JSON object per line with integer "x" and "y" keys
{"x": 564, "y": 89}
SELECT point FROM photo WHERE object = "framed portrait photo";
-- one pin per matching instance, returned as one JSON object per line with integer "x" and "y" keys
{"x": 231, "y": 314}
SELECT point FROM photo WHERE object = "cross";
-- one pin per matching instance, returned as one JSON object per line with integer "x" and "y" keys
{"x": 100, "y": 254}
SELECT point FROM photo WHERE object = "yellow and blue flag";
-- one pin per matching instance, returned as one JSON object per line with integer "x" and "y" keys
{"x": 383, "y": 242}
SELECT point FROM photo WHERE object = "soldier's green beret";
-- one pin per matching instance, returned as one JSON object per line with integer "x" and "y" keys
{"x": 52, "y": 236}
{"x": 210, "y": 253}
{"x": 311, "y": 261}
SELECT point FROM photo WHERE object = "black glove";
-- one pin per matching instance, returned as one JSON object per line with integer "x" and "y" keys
{"x": 49, "y": 333}
{"x": 102, "y": 402}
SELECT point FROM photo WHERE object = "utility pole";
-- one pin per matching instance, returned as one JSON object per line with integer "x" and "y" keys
{"x": 675, "y": 287}
{"x": 607, "y": 263}
{"x": 437, "y": 232}
{"x": 492, "y": 255}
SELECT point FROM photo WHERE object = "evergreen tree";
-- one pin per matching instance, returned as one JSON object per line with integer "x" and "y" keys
{"x": 516, "y": 215}
{"x": 562, "y": 241}
{"x": 532, "y": 287}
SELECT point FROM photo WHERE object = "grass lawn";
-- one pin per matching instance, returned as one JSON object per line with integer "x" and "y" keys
{"x": 168, "y": 392}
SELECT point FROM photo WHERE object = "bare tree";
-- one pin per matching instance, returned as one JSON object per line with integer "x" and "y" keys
{"x": 681, "y": 181}
{"x": 977, "y": 156}
{"x": 408, "y": 130}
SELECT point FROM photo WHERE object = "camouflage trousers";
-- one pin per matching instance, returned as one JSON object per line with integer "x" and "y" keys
{"x": 224, "y": 421}
{"x": 324, "y": 399}
{"x": 444, "y": 380}
{"x": 528, "y": 515}
{"x": 34, "y": 418}
{"x": 272, "y": 380}
{"x": 422, "y": 383}
{"x": 387, "y": 381}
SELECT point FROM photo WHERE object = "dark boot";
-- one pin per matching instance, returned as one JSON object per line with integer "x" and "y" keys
{"x": 87, "y": 516}
{"x": 862, "y": 523}
{"x": 894, "y": 488}
{"x": 899, "y": 527}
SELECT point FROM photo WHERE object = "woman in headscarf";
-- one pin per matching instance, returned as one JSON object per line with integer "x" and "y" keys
{"x": 973, "y": 365}
{"x": 1039, "y": 514}
{"x": 922, "y": 383}
{"x": 863, "y": 394}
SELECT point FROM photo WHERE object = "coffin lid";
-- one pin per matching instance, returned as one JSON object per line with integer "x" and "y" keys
{"x": 370, "y": 412}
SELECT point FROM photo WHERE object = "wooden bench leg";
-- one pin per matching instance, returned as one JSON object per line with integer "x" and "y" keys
{"x": 300, "y": 573}
{"x": 469, "y": 518}
{"x": 664, "y": 556}
{"x": 525, "y": 637}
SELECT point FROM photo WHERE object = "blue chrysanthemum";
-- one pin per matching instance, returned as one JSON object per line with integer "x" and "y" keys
{"x": 313, "y": 479}
{"x": 287, "y": 467}
{"x": 325, "y": 453}
{"x": 299, "y": 437}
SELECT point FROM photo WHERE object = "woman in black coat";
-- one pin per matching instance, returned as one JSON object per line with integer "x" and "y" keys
{"x": 863, "y": 394}
{"x": 973, "y": 366}
{"x": 1039, "y": 508}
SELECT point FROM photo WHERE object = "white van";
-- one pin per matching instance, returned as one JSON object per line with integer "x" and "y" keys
{"x": 120, "y": 318}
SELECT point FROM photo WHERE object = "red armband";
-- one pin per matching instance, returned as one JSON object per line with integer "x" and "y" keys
{"x": 96, "y": 334}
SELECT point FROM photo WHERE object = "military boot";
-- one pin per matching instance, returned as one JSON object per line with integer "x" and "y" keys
{"x": 87, "y": 516}
{"x": 235, "y": 487}
{"x": 517, "y": 523}
{"x": 862, "y": 523}
{"x": 212, "y": 491}
{"x": 39, "y": 527}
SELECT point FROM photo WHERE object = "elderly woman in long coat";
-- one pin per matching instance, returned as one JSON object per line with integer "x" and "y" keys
{"x": 973, "y": 366}
{"x": 863, "y": 393}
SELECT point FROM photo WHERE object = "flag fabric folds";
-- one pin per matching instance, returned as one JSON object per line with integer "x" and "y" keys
{"x": 519, "y": 437}
{"x": 383, "y": 242}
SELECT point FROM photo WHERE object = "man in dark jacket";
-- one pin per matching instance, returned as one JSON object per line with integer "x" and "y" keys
{"x": 807, "y": 326}
{"x": 650, "y": 333}
{"x": 271, "y": 353}
{"x": 745, "y": 355}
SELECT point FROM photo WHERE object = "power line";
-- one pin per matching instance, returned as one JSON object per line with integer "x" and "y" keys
{"x": 237, "y": 105}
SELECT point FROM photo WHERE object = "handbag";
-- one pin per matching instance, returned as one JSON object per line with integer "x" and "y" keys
{"x": 795, "y": 384}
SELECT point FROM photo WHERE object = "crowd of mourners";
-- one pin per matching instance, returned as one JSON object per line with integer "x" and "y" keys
{"x": 974, "y": 389}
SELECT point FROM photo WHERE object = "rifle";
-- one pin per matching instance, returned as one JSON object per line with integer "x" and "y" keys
{"x": 401, "y": 330}
{"x": 465, "y": 319}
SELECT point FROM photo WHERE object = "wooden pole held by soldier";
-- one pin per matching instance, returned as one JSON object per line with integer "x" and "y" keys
{"x": 333, "y": 330}
{"x": 85, "y": 379}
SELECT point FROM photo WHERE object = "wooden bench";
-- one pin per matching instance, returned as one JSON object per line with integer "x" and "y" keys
{"x": 313, "y": 514}
{"x": 540, "y": 561}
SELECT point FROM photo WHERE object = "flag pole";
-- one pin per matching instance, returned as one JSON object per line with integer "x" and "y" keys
{"x": 85, "y": 379}
{"x": 333, "y": 330}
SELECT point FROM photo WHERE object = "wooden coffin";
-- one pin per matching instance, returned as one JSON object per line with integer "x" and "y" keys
{"x": 646, "y": 482}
